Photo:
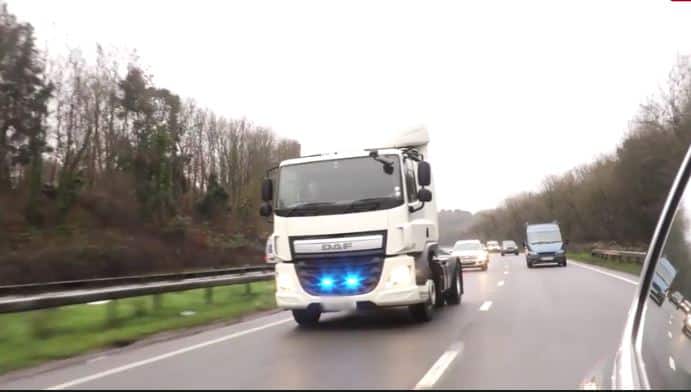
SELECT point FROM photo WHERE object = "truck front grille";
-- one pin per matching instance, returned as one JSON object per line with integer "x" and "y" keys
{"x": 340, "y": 276}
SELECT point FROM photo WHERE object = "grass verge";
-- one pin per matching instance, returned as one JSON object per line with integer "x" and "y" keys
{"x": 631, "y": 267}
{"x": 30, "y": 338}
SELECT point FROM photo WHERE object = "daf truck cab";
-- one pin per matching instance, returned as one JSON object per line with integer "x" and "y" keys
{"x": 358, "y": 230}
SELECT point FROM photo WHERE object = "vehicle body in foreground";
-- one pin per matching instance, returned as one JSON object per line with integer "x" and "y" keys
{"x": 508, "y": 246}
{"x": 655, "y": 346}
{"x": 471, "y": 254}
{"x": 544, "y": 244}
{"x": 493, "y": 247}
{"x": 359, "y": 231}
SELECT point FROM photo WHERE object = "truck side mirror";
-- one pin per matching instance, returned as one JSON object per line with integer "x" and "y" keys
{"x": 265, "y": 210}
{"x": 267, "y": 189}
{"x": 424, "y": 174}
{"x": 424, "y": 195}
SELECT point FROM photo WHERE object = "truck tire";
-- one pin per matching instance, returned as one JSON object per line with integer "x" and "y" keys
{"x": 424, "y": 312}
{"x": 453, "y": 295}
{"x": 306, "y": 317}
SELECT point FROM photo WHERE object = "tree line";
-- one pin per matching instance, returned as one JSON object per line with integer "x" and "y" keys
{"x": 99, "y": 144}
{"x": 618, "y": 197}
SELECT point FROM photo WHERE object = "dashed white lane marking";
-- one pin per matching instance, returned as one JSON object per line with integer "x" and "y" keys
{"x": 672, "y": 365}
{"x": 669, "y": 334}
{"x": 132, "y": 365}
{"x": 501, "y": 283}
{"x": 506, "y": 272}
{"x": 485, "y": 306}
{"x": 437, "y": 370}
{"x": 630, "y": 281}
{"x": 670, "y": 322}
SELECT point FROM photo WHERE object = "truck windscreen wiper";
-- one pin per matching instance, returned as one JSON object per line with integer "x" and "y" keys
{"x": 304, "y": 207}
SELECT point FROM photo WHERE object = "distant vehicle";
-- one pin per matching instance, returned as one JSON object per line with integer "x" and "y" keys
{"x": 662, "y": 279}
{"x": 686, "y": 329}
{"x": 685, "y": 306}
{"x": 676, "y": 298}
{"x": 509, "y": 246}
{"x": 544, "y": 244}
{"x": 470, "y": 253}
{"x": 493, "y": 247}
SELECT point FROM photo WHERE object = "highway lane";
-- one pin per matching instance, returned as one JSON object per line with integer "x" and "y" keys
{"x": 521, "y": 327}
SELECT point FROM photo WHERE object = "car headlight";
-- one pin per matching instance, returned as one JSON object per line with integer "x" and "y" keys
{"x": 399, "y": 276}
{"x": 284, "y": 282}
{"x": 559, "y": 252}
{"x": 532, "y": 253}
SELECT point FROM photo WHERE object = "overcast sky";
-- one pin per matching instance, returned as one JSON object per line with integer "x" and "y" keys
{"x": 511, "y": 91}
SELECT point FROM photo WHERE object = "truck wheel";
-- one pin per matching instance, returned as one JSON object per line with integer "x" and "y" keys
{"x": 306, "y": 317}
{"x": 425, "y": 311}
{"x": 453, "y": 296}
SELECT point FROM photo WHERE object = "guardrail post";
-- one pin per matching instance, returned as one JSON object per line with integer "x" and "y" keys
{"x": 158, "y": 302}
{"x": 112, "y": 312}
{"x": 209, "y": 295}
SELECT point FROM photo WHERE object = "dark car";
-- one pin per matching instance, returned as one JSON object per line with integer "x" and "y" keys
{"x": 655, "y": 346}
{"x": 508, "y": 246}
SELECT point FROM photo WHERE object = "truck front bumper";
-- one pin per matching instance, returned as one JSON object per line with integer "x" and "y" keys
{"x": 291, "y": 295}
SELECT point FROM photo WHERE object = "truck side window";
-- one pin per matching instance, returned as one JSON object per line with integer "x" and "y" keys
{"x": 410, "y": 182}
{"x": 666, "y": 325}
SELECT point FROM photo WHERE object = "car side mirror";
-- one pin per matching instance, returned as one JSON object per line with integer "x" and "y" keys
{"x": 424, "y": 195}
{"x": 265, "y": 210}
{"x": 424, "y": 173}
{"x": 267, "y": 189}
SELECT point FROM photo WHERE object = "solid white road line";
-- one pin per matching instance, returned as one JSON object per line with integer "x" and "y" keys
{"x": 669, "y": 334}
{"x": 631, "y": 281}
{"x": 132, "y": 365}
{"x": 501, "y": 283}
{"x": 435, "y": 372}
{"x": 672, "y": 365}
{"x": 485, "y": 306}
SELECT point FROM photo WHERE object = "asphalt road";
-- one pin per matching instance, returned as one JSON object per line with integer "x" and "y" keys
{"x": 545, "y": 327}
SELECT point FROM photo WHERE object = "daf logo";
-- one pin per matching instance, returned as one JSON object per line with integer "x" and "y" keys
{"x": 337, "y": 246}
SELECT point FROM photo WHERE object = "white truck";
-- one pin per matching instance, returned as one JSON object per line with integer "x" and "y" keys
{"x": 357, "y": 231}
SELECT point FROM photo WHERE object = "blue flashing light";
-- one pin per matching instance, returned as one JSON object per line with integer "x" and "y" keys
{"x": 352, "y": 281}
{"x": 326, "y": 283}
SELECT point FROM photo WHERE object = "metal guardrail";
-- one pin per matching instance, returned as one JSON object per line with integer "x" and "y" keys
{"x": 55, "y": 294}
{"x": 32, "y": 288}
{"x": 619, "y": 254}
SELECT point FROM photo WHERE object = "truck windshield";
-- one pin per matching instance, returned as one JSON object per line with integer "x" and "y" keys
{"x": 544, "y": 236}
{"x": 338, "y": 186}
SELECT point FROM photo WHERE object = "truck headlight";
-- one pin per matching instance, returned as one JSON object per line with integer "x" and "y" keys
{"x": 399, "y": 276}
{"x": 284, "y": 282}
